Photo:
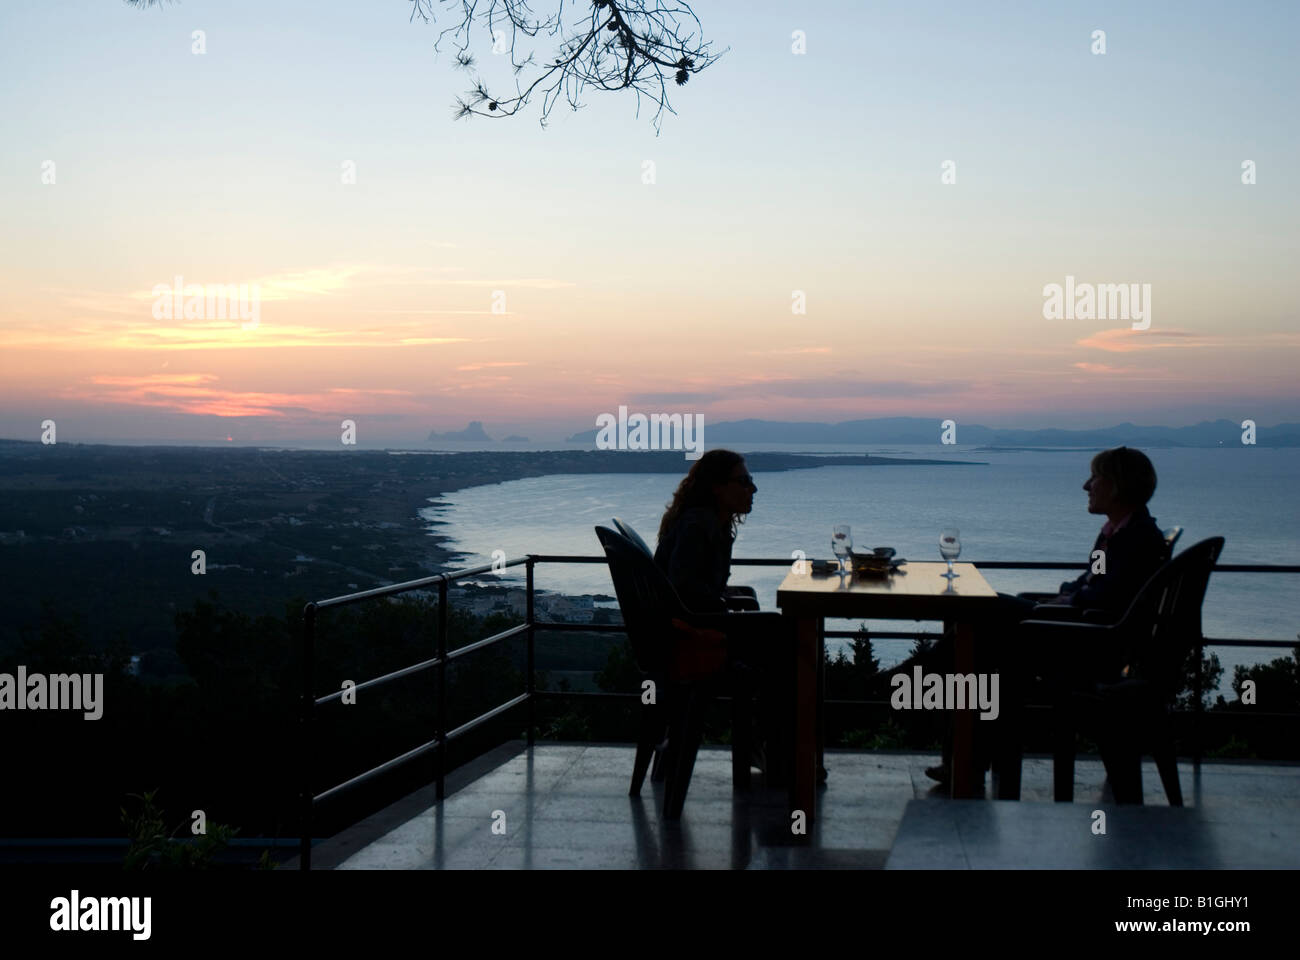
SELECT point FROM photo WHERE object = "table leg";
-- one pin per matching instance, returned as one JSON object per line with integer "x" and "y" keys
{"x": 964, "y": 776}
{"x": 803, "y": 779}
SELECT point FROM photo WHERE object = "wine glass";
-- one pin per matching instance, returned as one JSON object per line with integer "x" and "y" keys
{"x": 950, "y": 550}
{"x": 842, "y": 543}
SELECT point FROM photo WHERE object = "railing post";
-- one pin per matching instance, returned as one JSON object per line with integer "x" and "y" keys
{"x": 306, "y": 704}
{"x": 440, "y": 734}
{"x": 528, "y": 680}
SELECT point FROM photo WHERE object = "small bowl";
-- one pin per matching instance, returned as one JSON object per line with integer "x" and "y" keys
{"x": 872, "y": 564}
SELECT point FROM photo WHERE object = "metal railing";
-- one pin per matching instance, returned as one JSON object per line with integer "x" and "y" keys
{"x": 442, "y": 736}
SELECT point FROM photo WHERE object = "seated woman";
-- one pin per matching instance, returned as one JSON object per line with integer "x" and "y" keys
{"x": 699, "y": 528}
{"x": 694, "y": 551}
{"x": 1121, "y": 483}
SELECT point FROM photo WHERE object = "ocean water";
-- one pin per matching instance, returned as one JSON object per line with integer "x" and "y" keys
{"x": 1026, "y": 506}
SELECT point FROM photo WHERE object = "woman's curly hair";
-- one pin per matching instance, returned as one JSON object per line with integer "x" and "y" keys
{"x": 696, "y": 489}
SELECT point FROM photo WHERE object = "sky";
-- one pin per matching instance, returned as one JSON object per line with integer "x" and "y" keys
{"x": 531, "y": 278}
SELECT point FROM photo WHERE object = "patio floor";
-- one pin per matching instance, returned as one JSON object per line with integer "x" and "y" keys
{"x": 565, "y": 806}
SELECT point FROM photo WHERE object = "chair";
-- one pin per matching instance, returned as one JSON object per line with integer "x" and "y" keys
{"x": 658, "y": 626}
{"x": 625, "y": 528}
{"x": 737, "y": 598}
{"x": 1130, "y": 708}
{"x": 1171, "y": 538}
{"x": 741, "y": 598}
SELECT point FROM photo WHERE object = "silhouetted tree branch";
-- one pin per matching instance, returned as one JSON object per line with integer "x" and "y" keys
{"x": 641, "y": 45}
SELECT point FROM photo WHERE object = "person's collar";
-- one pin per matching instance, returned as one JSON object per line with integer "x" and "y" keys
{"x": 1109, "y": 529}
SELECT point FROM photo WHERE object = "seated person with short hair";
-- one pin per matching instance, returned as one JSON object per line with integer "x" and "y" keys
{"x": 1132, "y": 547}
{"x": 1121, "y": 482}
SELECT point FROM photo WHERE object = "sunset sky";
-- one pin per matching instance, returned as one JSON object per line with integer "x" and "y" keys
{"x": 780, "y": 172}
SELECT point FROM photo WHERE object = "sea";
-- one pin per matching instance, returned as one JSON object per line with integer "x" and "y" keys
{"x": 1009, "y": 505}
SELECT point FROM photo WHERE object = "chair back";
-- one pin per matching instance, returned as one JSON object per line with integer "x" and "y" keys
{"x": 1171, "y": 539}
{"x": 1163, "y": 623}
{"x": 625, "y": 528}
{"x": 646, "y": 598}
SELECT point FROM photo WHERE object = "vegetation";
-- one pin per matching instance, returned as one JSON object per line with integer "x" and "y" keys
{"x": 153, "y": 847}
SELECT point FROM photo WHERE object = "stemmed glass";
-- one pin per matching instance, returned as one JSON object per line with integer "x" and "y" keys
{"x": 841, "y": 543}
{"x": 950, "y": 550}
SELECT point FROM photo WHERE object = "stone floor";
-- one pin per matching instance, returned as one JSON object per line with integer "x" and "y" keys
{"x": 953, "y": 835}
{"x": 565, "y": 806}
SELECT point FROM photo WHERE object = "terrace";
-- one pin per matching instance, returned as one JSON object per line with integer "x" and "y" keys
{"x": 527, "y": 804}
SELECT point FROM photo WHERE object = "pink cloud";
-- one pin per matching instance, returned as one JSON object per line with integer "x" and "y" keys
{"x": 1128, "y": 340}
{"x": 493, "y": 363}
{"x": 191, "y": 393}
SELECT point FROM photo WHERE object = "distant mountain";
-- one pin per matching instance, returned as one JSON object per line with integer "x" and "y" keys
{"x": 515, "y": 438}
{"x": 473, "y": 432}
{"x": 927, "y": 430}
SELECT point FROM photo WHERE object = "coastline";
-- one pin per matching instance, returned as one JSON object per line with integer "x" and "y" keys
{"x": 273, "y": 523}
{"x": 550, "y": 463}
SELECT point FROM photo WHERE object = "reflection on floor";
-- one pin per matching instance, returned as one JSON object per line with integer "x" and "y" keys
{"x": 564, "y": 806}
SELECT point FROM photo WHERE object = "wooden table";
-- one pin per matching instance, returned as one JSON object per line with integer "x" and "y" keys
{"x": 919, "y": 593}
